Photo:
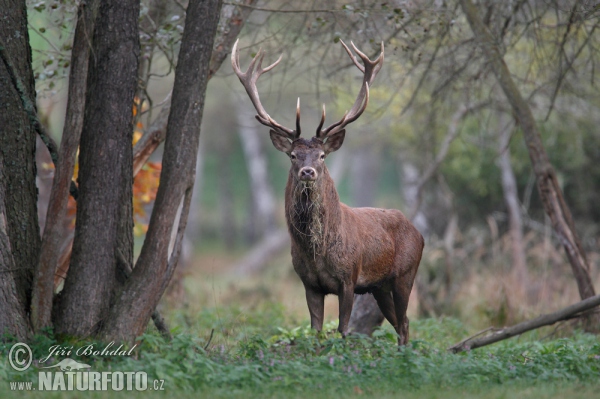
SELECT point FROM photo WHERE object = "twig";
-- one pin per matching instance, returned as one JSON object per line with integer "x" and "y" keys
{"x": 209, "y": 339}
{"x": 161, "y": 325}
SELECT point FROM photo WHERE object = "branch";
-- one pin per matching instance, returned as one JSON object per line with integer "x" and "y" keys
{"x": 269, "y": 247}
{"x": 230, "y": 25}
{"x": 151, "y": 139}
{"x": 569, "y": 312}
{"x": 451, "y": 134}
{"x": 274, "y": 10}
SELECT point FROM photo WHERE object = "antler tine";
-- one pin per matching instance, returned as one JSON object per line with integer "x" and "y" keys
{"x": 369, "y": 69}
{"x": 322, "y": 122}
{"x": 248, "y": 80}
{"x": 297, "y": 134}
{"x": 376, "y": 64}
{"x": 352, "y": 56}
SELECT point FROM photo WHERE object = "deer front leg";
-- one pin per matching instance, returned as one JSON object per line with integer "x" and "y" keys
{"x": 316, "y": 307}
{"x": 346, "y": 298}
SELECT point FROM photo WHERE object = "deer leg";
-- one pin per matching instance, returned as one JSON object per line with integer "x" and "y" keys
{"x": 386, "y": 304}
{"x": 346, "y": 298}
{"x": 400, "y": 293}
{"x": 316, "y": 307}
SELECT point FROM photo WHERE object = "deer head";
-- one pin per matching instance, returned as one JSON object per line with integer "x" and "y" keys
{"x": 307, "y": 156}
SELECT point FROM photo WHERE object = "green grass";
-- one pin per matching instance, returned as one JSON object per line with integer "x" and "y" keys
{"x": 295, "y": 362}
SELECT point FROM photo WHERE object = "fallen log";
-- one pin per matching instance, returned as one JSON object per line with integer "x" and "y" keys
{"x": 500, "y": 334}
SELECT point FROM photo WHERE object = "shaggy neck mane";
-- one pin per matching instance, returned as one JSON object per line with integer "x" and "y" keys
{"x": 309, "y": 210}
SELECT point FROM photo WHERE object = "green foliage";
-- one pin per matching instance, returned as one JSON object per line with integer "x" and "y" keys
{"x": 298, "y": 361}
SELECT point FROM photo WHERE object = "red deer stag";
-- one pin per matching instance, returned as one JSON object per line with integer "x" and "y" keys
{"x": 337, "y": 249}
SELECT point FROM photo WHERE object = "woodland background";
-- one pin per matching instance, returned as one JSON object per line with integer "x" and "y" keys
{"x": 439, "y": 141}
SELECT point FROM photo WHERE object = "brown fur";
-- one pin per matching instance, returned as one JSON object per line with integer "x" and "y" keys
{"x": 355, "y": 250}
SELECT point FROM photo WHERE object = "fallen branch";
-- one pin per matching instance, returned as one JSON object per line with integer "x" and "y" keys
{"x": 569, "y": 312}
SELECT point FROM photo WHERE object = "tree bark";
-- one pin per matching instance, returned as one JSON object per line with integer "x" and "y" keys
{"x": 53, "y": 239}
{"x": 136, "y": 302}
{"x": 105, "y": 170}
{"x": 548, "y": 187}
{"x": 17, "y": 144}
{"x": 230, "y": 25}
{"x": 13, "y": 320}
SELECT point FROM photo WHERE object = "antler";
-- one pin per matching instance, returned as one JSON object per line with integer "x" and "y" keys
{"x": 249, "y": 79}
{"x": 369, "y": 70}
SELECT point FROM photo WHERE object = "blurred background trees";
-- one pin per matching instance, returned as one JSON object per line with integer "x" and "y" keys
{"x": 439, "y": 141}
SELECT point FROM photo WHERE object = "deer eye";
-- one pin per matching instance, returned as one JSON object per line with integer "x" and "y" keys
{"x": 293, "y": 157}
{"x": 322, "y": 157}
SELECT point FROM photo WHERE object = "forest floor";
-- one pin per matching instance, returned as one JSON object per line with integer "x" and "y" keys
{"x": 250, "y": 337}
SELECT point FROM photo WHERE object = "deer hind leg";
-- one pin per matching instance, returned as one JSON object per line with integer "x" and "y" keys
{"x": 386, "y": 305}
{"x": 316, "y": 307}
{"x": 400, "y": 293}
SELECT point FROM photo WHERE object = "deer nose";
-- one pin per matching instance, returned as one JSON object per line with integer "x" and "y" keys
{"x": 307, "y": 174}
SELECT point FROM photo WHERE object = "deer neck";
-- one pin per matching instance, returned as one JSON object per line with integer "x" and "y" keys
{"x": 312, "y": 211}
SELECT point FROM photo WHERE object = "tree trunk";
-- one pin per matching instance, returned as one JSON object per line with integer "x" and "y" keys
{"x": 53, "y": 240}
{"x": 366, "y": 315}
{"x": 511, "y": 198}
{"x": 364, "y": 170}
{"x": 136, "y": 302}
{"x": 224, "y": 190}
{"x": 548, "y": 187}
{"x": 105, "y": 170}
{"x": 262, "y": 193}
{"x": 13, "y": 320}
{"x": 17, "y": 144}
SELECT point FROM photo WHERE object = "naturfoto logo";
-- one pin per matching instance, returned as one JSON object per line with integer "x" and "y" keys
{"x": 69, "y": 374}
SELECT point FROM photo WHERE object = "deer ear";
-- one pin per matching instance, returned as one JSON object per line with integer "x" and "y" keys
{"x": 334, "y": 142}
{"x": 280, "y": 142}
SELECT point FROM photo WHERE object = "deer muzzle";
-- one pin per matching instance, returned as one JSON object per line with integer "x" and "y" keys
{"x": 307, "y": 173}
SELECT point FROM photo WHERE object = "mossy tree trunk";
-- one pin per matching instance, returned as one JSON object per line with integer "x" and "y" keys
{"x": 17, "y": 147}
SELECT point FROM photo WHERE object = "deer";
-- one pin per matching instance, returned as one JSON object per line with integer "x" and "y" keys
{"x": 337, "y": 249}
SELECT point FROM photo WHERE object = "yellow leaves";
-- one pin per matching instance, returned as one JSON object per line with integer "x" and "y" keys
{"x": 137, "y": 135}
{"x": 145, "y": 186}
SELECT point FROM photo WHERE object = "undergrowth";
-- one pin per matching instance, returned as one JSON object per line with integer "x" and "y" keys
{"x": 297, "y": 360}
